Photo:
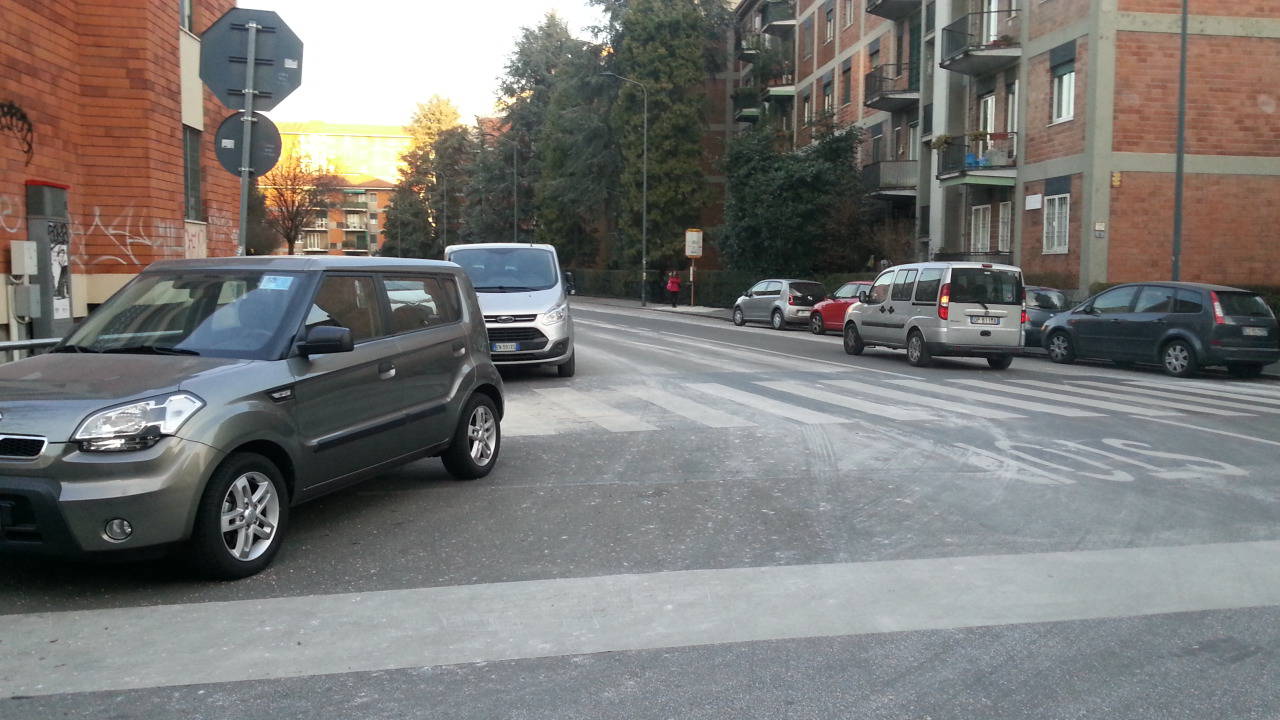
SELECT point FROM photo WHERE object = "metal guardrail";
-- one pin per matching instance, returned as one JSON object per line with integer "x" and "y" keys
{"x": 35, "y": 344}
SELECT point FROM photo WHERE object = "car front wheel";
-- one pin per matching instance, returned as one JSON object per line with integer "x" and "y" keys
{"x": 241, "y": 518}
{"x": 476, "y": 442}
{"x": 1000, "y": 362}
{"x": 816, "y": 326}
{"x": 1179, "y": 359}
{"x": 738, "y": 318}
{"x": 853, "y": 344}
{"x": 1060, "y": 349}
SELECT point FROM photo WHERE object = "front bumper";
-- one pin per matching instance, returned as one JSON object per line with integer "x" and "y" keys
{"x": 59, "y": 503}
{"x": 535, "y": 344}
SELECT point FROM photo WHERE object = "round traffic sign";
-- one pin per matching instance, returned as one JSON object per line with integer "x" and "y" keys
{"x": 264, "y": 147}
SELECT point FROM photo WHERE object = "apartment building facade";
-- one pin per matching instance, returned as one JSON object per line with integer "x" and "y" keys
{"x": 106, "y": 151}
{"x": 1043, "y": 132}
{"x": 352, "y": 223}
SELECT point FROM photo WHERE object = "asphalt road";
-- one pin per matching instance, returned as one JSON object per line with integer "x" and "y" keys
{"x": 720, "y": 522}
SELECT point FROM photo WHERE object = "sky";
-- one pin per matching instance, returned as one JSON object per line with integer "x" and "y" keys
{"x": 373, "y": 61}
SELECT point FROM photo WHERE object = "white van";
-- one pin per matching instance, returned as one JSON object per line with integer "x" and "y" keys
{"x": 525, "y": 302}
{"x": 963, "y": 309}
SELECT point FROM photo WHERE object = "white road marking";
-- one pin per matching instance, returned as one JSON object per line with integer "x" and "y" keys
{"x": 1233, "y": 403}
{"x": 527, "y": 414}
{"x": 755, "y": 355}
{"x": 588, "y": 408}
{"x": 686, "y": 407}
{"x": 1063, "y": 398}
{"x": 803, "y": 359}
{"x": 1111, "y": 394}
{"x": 873, "y": 410}
{"x": 723, "y": 362}
{"x": 992, "y": 398}
{"x": 222, "y": 642}
{"x": 769, "y": 405}
{"x": 1226, "y": 392}
{"x": 884, "y": 393}
{"x": 1215, "y": 431}
{"x": 1250, "y": 388}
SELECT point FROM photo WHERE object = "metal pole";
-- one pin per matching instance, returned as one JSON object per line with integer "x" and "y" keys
{"x": 515, "y": 190}
{"x": 445, "y": 234}
{"x": 247, "y": 136}
{"x": 644, "y": 200}
{"x": 1181, "y": 150}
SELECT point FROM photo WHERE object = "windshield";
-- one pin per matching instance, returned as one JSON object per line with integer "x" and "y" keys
{"x": 508, "y": 269}
{"x": 1244, "y": 304}
{"x": 219, "y": 314}
{"x": 986, "y": 286}
{"x": 1045, "y": 299}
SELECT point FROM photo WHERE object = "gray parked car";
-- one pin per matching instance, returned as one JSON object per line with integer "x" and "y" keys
{"x": 207, "y": 397}
{"x": 778, "y": 302}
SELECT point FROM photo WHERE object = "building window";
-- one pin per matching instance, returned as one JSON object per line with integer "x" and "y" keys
{"x": 828, "y": 99}
{"x": 1064, "y": 91}
{"x": 316, "y": 241}
{"x": 1057, "y": 215}
{"x": 877, "y": 147}
{"x": 846, "y": 86}
{"x": 899, "y": 151}
{"x": 980, "y": 229}
{"x": 187, "y": 15}
{"x": 848, "y": 13}
{"x": 193, "y": 204}
{"x": 831, "y": 24}
{"x": 913, "y": 141}
{"x": 371, "y": 197}
{"x": 1011, "y": 107}
{"x": 1006, "y": 227}
{"x": 320, "y": 221}
{"x": 807, "y": 116}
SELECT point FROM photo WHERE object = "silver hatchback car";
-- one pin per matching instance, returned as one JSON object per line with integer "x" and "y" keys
{"x": 778, "y": 302}
{"x": 207, "y": 397}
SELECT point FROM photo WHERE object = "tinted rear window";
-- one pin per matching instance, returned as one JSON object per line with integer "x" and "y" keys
{"x": 1046, "y": 299}
{"x": 1245, "y": 304}
{"x": 809, "y": 289}
{"x": 1188, "y": 301}
{"x": 986, "y": 285}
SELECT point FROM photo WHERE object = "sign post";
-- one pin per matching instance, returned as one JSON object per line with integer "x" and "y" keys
{"x": 693, "y": 251}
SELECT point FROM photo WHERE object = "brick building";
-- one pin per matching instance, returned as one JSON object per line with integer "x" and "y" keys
{"x": 352, "y": 224}
{"x": 1042, "y": 132}
{"x": 109, "y": 97}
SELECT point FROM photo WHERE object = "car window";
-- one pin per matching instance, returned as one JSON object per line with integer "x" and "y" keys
{"x": 758, "y": 288}
{"x": 773, "y": 288}
{"x": 986, "y": 285}
{"x": 1243, "y": 304}
{"x": 347, "y": 301}
{"x": 927, "y": 287}
{"x": 903, "y": 284}
{"x": 1114, "y": 302}
{"x": 1045, "y": 299}
{"x": 1154, "y": 299}
{"x": 419, "y": 302}
{"x": 1188, "y": 301}
{"x": 880, "y": 289}
{"x": 846, "y": 291}
{"x": 812, "y": 292}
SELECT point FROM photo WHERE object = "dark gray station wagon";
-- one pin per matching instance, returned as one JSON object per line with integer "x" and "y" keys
{"x": 207, "y": 397}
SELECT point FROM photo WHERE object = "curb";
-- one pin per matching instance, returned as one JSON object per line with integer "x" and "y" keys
{"x": 713, "y": 313}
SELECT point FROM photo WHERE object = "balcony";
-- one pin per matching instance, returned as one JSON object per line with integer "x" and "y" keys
{"x": 353, "y": 226}
{"x": 999, "y": 258}
{"x": 892, "y": 87}
{"x": 985, "y": 159}
{"x": 778, "y": 17}
{"x": 981, "y": 43}
{"x": 746, "y": 104}
{"x": 893, "y": 9}
{"x": 361, "y": 206}
{"x": 891, "y": 178}
{"x": 749, "y": 47}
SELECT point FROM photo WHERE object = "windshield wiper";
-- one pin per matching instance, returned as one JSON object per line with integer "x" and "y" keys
{"x": 74, "y": 349}
{"x": 504, "y": 288}
{"x": 151, "y": 350}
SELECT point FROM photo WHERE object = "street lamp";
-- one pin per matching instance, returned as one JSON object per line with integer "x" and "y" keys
{"x": 1181, "y": 152}
{"x": 644, "y": 194}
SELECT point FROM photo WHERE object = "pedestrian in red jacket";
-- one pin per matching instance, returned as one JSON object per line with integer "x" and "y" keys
{"x": 673, "y": 286}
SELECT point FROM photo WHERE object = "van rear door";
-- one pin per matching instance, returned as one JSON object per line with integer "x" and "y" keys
{"x": 986, "y": 307}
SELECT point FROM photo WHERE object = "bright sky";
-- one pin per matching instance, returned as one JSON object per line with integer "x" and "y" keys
{"x": 373, "y": 61}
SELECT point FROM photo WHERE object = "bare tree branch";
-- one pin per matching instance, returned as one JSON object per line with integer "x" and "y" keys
{"x": 296, "y": 189}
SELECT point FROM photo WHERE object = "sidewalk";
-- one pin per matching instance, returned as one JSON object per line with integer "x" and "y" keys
{"x": 658, "y": 306}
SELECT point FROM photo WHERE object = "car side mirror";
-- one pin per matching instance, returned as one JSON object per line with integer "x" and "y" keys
{"x": 747, "y": 293}
{"x": 326, "y": 339}
{"x": 864, "y": 296}
{"x": 569, "y": 285}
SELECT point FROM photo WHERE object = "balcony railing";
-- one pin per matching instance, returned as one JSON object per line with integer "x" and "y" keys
{"x": 353, "y": 226}
{"x": 746, "y": 104}
{"x": 893, "y": 9}
{"x": 355, "y": 205}
{"x": 981, "y": 42}
{"x": 1001, "y": 258}
{"x": 777, "y": 15}
{"x": 979, "y": 153}
{"x": 892, "y": 87}
{"x": 887, "y": 176}
{"x": 749, "y": 46}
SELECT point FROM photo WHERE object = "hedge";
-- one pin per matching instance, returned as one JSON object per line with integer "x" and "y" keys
{"x": 714, "y": 288}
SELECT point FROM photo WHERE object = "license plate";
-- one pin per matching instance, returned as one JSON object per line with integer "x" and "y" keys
{"x": 1255, "y": 331}
{"x": 984, "y": 320}
{"x": 506, "y": 347}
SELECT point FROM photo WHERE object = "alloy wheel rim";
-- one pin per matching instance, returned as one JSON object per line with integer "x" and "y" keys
{"x": 482, "y": 436}
{"x": 250, "y": 516}
{"x": 777, "y": 320}
{"x": 737, "y": 315}
{"x": 816, "y": 324}
{"x": 1175, "y": 358}
{"x": 1058, "y": 347}
{"x": 913, "y": 348}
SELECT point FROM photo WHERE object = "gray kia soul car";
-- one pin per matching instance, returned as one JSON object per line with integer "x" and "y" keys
{"x": 207, "y": 397}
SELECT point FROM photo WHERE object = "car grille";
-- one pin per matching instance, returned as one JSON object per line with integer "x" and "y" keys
{"x": 21, "y": 446}
{"x": 516, "y": 318}
{"x": 499, "y": 334}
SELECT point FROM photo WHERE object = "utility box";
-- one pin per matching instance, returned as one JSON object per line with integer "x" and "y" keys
{"x": 24, "y": 258}
{"x": 26, "y": 302}
{"x": 49, "y": 228}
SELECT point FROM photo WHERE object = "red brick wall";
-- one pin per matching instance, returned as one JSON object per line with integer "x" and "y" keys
{"x": 1224, "y": 73}
{"x": 1229, "y": 230}
{"x": 1061, "y": 268}
{"x": 1045, "y": 17}
{"x": 1234, "y": 8}
{"x": 826, "y": 50}
{"x": 1046, "y": 141}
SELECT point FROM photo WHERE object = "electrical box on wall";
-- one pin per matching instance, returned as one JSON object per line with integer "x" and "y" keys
{"x": 24, "y": 258}
{"x": 26, "y": 301}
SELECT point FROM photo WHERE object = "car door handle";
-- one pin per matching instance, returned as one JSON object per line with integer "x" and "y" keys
{"x": 386, "y": 371}
{"x": 459, "y": 349}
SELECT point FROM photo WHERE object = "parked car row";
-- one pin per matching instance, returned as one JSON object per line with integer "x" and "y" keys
{"x": 967, "y": 309}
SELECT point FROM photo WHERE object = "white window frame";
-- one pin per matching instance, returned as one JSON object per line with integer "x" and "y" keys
{"x": 986, "y": 120}
{"x": 829, "y": 22}
{"x": 848, "y": 13}
{"x": 992, "y": 22}
{"x": 371, "y": 198}
{"x": 829, "y": 97}
{"x": 1004, "y": 235}
{"x": 1011, "y": 107}
{"x": 980, "y": 229}
{"x": 1057, "y": 213}
{"x": 913, "y": 141}
{"x": 807, "y": 115}
{"x": 1063, "y": 97}
{"x": 316, "y": 240}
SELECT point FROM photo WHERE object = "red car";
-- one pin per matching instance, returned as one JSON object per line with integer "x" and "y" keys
{"x": 829, "y": 314}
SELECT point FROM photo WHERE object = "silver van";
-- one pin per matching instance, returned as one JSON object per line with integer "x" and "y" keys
{"x": 525, "y": 300}
{"x": 934, "y": 309}
{"x": 207, "y": 397}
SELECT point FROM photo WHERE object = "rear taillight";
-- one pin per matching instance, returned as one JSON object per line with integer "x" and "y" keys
{"x": 944, "y": 300}
{"x": 1218, "y": 317}
{"x": 1024, "y": 316}
{"x": 791, "y": 299}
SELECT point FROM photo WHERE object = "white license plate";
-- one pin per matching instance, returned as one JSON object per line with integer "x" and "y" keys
{"x": 506, "y": 347}
{"x": 1255, "y": 331}
{"x": 984, "y": 320}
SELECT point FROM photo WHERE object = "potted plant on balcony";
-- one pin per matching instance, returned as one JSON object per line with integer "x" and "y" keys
{"x": 940, "y": 142}
{"x": 1002, "y": 41}
{"x": 978, "y": 136}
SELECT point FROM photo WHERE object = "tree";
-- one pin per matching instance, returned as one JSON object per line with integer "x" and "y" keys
{"x": 260, "y": 239}
{"x": 432, "y": 118}
{"x": 295, "y": 189}
{"x": 413, "y": 222}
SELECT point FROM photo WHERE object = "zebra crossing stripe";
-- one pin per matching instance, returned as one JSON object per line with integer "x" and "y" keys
{"x": 1111, "y": 394}
{"x": 687, "y": 408}
{"x": 1072, "y": 399}
{"x": 885, "y": 393}
{"x": 769, "y": 405}
{"x": 588, "y": 408}
{"x": 1227, "y": 392}
{"x": 995, "y": 398}
{"x": 1233, "y": 403}
{"x": 834, "y": 397}
{"x": 1250, "y": 388}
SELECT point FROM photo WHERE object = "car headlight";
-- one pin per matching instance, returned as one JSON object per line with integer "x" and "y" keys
{"x": 555, "y": 315}
{"x": 136, "y": 426}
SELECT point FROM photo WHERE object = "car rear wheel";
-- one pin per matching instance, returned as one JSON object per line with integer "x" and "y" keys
{"x": 1060, "y": 349}
{"x": 917, "y": 351}
{"x": 241, "y": 518}
{"x": 1179, "y": 359}
{"x": 816, "y": 326}
{"x": 476, "y": 442}
{"x": 777, "y": 321}
{"x": 1245, "y": 370}
{"x": 738, "y": 318}
{"x": 567, "y": 368}
{"x": 853, "y": 344}
{"x": 1000, "y": 362}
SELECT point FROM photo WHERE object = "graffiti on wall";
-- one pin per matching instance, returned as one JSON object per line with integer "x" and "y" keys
{"x": 15, "y": 122}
